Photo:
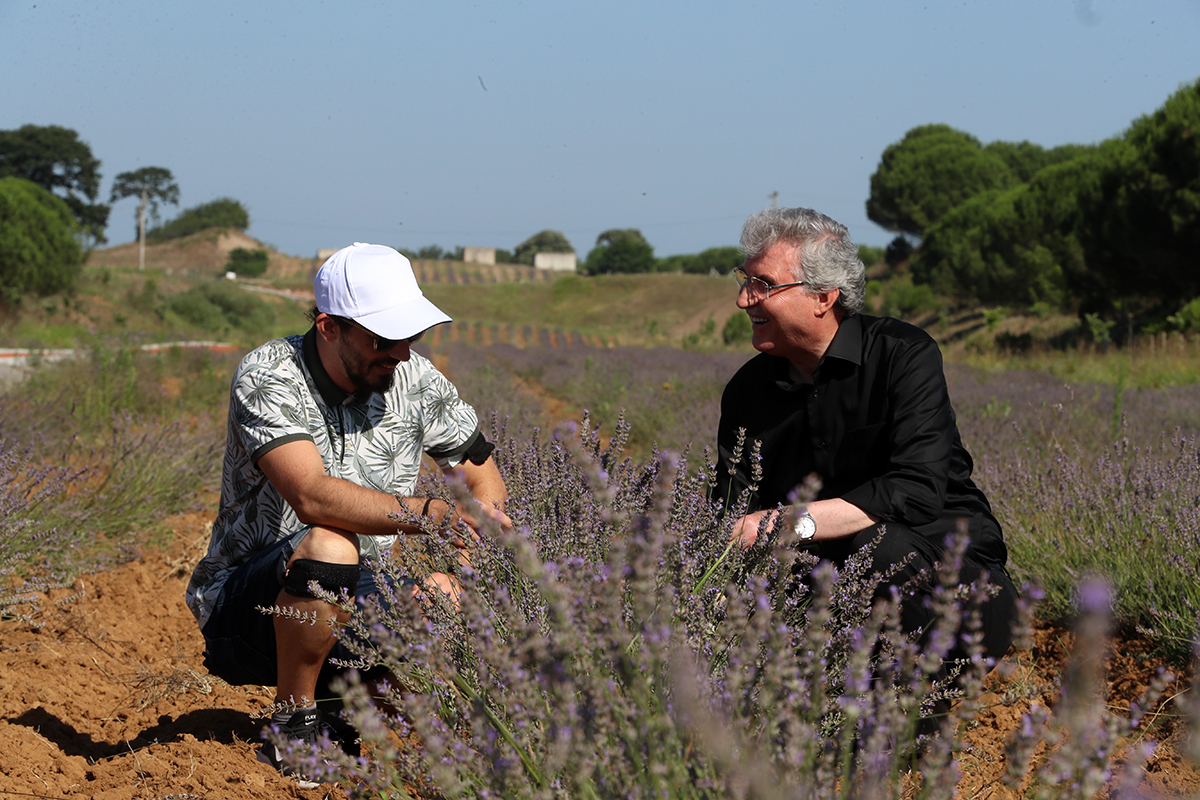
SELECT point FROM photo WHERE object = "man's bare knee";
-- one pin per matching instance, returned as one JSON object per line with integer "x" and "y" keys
{"x": 330, "y": 545}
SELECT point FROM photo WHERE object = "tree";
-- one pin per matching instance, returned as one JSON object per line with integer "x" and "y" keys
{"x": 1027, "y": 159}
{"x": 1140, "y": 216}
{"x": 39, "y": 250}
{"x": 223, "y": 212}
{"x": 546, "y": 241}
{"x": 149, "y": 184}
{"x": 55, "y": 159}
{"x": 620, "y": 250}
{"x": 926, "y": 174}
{"x": 721, "y": 259}
{"x": 1014, "y": 247}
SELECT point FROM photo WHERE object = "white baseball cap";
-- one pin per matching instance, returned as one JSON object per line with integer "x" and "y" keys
{"x": 374, "y": 285}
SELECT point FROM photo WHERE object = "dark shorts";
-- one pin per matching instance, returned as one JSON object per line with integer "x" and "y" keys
{"x": 239, "y": 639}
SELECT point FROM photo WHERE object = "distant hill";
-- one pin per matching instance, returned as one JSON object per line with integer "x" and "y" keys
{"x": 201, "y": 253}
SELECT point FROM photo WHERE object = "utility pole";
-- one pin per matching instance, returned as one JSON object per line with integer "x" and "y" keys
{"x": 774, "y": 199}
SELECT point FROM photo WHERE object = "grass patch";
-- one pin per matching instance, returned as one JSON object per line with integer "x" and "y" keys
{"x": 97, "y": 451}
{"x": 633, "y": 309}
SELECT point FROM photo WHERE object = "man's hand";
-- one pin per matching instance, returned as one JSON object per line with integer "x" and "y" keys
{"x": 477, "y": 519}
{"x": 745, "y": 530}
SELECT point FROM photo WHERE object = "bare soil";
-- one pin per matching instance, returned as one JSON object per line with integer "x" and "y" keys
{"x": 109, "y": 699}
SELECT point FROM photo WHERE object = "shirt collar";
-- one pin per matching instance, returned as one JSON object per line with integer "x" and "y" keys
{"x": 847, "y": 342}
{"x": 331, "y": 393}
{"x": 846, "y": 346}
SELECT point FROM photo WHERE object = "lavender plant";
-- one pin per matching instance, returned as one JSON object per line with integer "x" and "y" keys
{"x": 595, "y": 652}
{"x": 89, "y": 460}
{"x": 1129, "y": 514}
{"x": 35, "y": 557}
{"x": 671, "y": 398}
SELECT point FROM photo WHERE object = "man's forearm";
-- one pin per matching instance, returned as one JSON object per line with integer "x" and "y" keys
{"x": 339, "y": 503}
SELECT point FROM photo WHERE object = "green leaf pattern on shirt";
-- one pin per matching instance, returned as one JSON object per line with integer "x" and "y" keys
{"x": 378, "y": 443}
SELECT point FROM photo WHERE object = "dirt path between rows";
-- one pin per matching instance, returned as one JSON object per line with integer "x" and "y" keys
{"x": 109, "y": 699}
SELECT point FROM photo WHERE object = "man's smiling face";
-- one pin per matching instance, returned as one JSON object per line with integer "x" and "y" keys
{"x": 785, "y": 322}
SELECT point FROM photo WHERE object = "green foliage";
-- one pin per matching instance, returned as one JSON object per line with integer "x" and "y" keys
{"x": 220, "y": 305}
{"x": 431, "y": 252}
{"x": 721, "y": 260}
{"x": 55, "y": 159}
{"x": 1141, "y": 214}
{"x": 247, "y": 263}
{"x": 933, "y": 169}
{"x": 224, "y": 212}
{"x": 898, "y": 251}
{"x": 1099, "y": 329}
{"x": 1027, "y": 159}
{"x": 546, "y": 241}
{"x": 39, "y": 252}
{"x": 113, "y": 414}
{"x": 620, "y": 250}
{"x": 1088, "y": 218}
{"x": 154, "y": 183}
{"x": 1017, "y": 247}
{"x": 1188, "y": 317}
{"x": 737, "y": 329}
{"x": 903, "y": 299}
{"x": 870, "y": 256}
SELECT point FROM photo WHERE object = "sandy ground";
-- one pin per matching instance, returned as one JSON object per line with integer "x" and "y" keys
{"x": 109, "y": 699}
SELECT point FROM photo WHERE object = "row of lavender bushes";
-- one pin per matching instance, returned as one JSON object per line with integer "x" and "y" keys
{"x": 95, "y": 452}
{"x": 612, "y": 645}
{"x": 1087, "y": 478}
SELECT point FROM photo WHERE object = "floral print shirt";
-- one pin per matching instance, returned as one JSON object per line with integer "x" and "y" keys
{"x": 281, "y": 393}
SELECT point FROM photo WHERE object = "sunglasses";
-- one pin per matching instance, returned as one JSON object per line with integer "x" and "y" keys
{"x": 381, "y": 344}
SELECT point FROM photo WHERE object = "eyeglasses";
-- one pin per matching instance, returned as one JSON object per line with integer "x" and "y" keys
{"x": 756, "y": 288}
{"x": 381, "y": 344}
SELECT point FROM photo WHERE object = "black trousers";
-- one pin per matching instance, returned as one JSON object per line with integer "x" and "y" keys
{"x": 998, "y": 614}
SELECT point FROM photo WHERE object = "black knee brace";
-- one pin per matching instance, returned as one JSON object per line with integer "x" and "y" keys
{"x": 330, "y": 577}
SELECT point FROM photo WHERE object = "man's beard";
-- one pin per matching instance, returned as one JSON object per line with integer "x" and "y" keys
{"x": 358, "y": 372}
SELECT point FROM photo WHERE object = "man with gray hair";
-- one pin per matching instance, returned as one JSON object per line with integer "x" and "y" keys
{"x": 861, "y": 402}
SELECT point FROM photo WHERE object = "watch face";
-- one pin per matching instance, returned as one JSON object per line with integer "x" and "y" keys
{"x": 806, "y": 527}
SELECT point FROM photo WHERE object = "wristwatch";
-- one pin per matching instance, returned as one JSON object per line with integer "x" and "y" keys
{"x": 806, "y": 526}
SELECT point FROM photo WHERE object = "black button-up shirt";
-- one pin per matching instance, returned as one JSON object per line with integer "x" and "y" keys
{"x": 875, "y": 425}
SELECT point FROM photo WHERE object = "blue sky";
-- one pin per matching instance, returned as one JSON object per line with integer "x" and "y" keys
{"x": 472, "y": 123}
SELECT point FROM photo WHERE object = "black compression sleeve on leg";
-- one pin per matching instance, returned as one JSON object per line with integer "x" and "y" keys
{"x": 330, "y": 577}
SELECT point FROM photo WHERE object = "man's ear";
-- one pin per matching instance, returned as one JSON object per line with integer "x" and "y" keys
{"x": 327, "y": 327}
{"x": 826, "y": 301}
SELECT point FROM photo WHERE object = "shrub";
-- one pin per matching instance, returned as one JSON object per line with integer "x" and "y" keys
{"x": 870, "y": 256}
{"x": 224, "y": 212}
{"x": 91, "y": 457}
{"x": 34, "y": 555}
{"x": 904, "y": 299}
{"x": 1187, "y": 318}
{"x": 40, "y": 254}
{"x": 221, "y": 304}
{"x": 247, "y": 263}
{"x": 737, "y": 329}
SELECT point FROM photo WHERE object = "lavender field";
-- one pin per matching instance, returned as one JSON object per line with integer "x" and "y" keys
{"x": 613, "y": 645}
{"x": 1087, "y": 478}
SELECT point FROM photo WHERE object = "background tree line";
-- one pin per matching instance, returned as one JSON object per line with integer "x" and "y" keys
{"x": 1110, "y": 231}
{"x": 51, "y": 215}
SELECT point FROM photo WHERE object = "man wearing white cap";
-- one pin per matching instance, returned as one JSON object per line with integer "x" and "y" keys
{"x": 325, "y": 439}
